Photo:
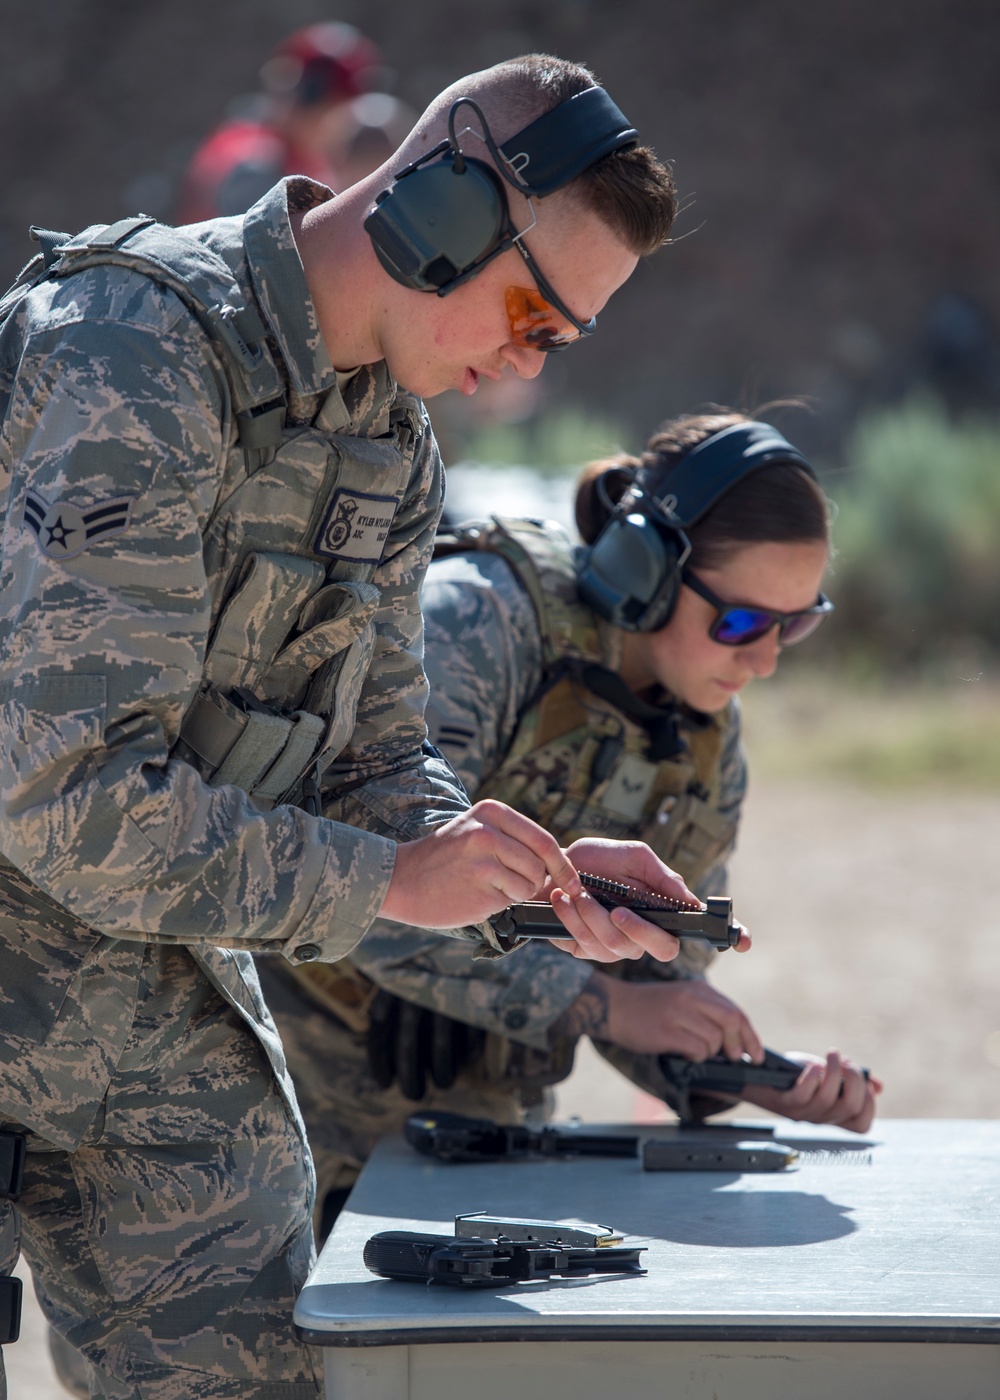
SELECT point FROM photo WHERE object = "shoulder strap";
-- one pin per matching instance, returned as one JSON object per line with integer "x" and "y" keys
{"x": 541, "y": 555}
{"x": 205, "y": 283}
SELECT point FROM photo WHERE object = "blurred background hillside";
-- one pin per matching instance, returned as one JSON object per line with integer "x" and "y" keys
{"x": 837, "y": 165}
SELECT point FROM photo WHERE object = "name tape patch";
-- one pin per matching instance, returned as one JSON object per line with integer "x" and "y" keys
{"x": 356, "y": 527}
{"x": 64, "y": 530}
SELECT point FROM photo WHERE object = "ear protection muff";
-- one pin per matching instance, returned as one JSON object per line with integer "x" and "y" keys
{"x": 445, "y": 216}
{"x": 631, "y": 574}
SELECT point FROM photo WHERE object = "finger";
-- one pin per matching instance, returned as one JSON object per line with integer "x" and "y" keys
{"x": 731, "y": 1028}
{"x": 739, "y": 1037}
{"x": 853, "y": 1093}
{"x": 657, "y": 942}
{"x": 826, "y": 1099}
{"x": 530, "y": 835}
{"x": 746, "y": 941}
{"x": 862, "y": 1120}
{"x": 797, "y": 1102}
{"x": 696, "y": 1039}
{"x": 586, "y": 943}
{"x": 513, "y": 870}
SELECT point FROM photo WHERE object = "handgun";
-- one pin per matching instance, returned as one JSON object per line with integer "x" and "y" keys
{"x": 712, "y": 922}
{"x": 493, "y": 1259}
{"x": 720, "y": 1075}
{"x": 451, "y": 1137}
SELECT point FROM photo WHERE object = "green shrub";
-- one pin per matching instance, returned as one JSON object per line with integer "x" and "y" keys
{"x": 917, "y": 535}
{"x": 555, "y": 443}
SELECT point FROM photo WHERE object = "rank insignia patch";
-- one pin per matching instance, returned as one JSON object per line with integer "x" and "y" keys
{"x": 356, "y": 527}
{"x": 63, "y": 530}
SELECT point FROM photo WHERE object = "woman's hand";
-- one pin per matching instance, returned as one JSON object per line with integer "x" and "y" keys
{"x": 831, "y": 1090}
{"x": 660, "y": 1018}
{"x": 607, "y": 935}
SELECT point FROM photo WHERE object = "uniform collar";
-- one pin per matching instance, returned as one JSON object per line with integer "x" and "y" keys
{"x": 279, "y": 282}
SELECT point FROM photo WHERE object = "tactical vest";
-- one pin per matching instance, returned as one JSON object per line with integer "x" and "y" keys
{"x": 289, "y": 562}
{"x": 579, "y": 765}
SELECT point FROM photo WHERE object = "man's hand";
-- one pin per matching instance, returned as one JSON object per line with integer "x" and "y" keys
{"x": 660, "y": 1018}
{"x": 606, "y": 935}
{"x": 474, "y": 866}
{"x": 831, "y": 1090}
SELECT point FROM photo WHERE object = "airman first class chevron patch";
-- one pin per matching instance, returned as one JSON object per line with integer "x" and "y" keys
{"x": 64, "y": 530}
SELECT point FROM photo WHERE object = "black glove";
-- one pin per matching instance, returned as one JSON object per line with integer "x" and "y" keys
{"x": 406, "y": 1043}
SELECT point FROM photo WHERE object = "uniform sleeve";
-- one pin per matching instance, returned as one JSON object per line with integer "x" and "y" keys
{"x": 116, "y": 431}
{"x": 483, "y": 661}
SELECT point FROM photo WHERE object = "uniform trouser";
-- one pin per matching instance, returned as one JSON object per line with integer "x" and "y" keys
{"x": 345, "y": 1110}
{"x": 169, "y": 1247}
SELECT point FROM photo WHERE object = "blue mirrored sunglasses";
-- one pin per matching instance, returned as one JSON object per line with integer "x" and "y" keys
{"x": 738, "y": 624}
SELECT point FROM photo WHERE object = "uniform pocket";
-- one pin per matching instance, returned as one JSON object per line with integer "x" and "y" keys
{"x": 58, "y": 819}
{"x": 330, "y": 623}
{"x": 260, "y": 617}
{"x": 692, "y": 838}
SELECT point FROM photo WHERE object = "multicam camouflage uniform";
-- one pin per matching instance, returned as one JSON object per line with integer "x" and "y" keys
{"x": 511, "y": 656}
{"x": 211, "y": 558}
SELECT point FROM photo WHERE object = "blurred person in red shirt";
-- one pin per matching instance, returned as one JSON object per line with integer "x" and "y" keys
{"x": 303, "y": 123}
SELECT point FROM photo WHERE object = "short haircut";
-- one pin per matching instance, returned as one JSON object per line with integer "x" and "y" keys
{"x": 630, "y": 190}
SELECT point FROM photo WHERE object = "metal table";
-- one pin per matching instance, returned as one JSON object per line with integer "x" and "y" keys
{"x": 871, "y": 1270}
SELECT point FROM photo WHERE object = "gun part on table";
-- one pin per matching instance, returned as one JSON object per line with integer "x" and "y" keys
{"x": 451, "y": 1137}
{"x": 492, "y": 1261}
{"x": 711, "y": 1155}
{"x": 711, "y": 922}
{"x": 480, "y": 1224}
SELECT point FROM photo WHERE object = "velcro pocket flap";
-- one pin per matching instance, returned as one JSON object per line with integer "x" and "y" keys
{"x": 331, "y": 622}
{"x": 260, "y": 616}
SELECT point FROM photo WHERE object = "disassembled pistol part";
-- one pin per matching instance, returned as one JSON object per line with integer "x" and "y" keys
{"x": 712, "y": 923}
{"x": 451, "y": 1137}
{"x": 720, "y": 1075}
{"x": 480, "y": 1225}
{"x": 476, "y": 1262}
{"x": 662, "y": 1155}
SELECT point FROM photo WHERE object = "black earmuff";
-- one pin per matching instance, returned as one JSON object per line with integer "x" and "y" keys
{"x": 631, "y": 574}
{"x": 446, "y": 216}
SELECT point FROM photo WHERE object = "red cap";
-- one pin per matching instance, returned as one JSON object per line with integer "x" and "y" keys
{"x": 329, "y": 62}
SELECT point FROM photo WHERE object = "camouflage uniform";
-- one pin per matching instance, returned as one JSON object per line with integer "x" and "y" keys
{"x": 212, "y": 551}
{"x": 508, "y": 647}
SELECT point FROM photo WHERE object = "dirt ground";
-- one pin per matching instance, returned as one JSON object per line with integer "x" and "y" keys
{"x": 876, "y": 930}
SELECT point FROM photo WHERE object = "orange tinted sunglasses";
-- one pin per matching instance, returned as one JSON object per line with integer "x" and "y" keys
{"x": 538, "y": 319}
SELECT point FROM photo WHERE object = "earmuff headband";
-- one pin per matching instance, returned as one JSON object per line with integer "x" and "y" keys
{"x": 561, "y": 144}
{"x": 708, "y": 471}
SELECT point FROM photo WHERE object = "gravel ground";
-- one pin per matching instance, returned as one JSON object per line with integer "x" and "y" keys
{"x": 875, "y": 927}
